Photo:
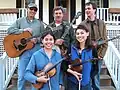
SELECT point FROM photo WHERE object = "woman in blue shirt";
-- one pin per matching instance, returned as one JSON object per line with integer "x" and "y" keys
{"x": 39, "y": 61}
{"x": 81, "y": 50}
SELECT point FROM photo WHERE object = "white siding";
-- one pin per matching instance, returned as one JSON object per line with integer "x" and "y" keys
{"x": 7, "y": 3}
{"x": 114, "y": 3}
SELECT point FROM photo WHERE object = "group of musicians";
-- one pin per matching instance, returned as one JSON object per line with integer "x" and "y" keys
{"x": 61, "y": 42}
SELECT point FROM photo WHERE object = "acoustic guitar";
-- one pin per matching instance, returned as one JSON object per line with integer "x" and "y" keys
{"x": 16, "y": 44}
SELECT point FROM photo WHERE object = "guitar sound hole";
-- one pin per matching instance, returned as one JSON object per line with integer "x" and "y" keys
{"x": 23, "y": 41}
{"x": 21, "y": 47}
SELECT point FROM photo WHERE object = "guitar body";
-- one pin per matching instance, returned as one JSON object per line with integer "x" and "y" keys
{"x": 9, "y": 46}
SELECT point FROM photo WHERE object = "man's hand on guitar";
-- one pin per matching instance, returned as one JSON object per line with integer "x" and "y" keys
{"x": 43, "y": 79}
{"x": 34, "y": 40}
{"x": 59, "y": 41}
{"x": 28, "y": 29}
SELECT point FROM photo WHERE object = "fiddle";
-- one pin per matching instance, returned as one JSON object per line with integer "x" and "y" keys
{"x": 76, "y": 65}
{"x": 47, "y": 71}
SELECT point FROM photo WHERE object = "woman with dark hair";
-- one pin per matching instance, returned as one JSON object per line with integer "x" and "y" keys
{"x": 81, "y": 51}
{"x": 40, "y": 60}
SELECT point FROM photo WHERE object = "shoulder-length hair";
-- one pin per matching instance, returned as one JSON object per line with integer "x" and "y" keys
{"x": 88, "y": 40}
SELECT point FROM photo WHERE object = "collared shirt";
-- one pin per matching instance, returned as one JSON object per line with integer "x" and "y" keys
{"x": 22, "y": 23}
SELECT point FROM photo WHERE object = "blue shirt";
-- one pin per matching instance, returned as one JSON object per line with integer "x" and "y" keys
{"x": 22, "y": 23}
{"x": 38, "y": 61}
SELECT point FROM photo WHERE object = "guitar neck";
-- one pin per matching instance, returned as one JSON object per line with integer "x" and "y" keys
{"x": 28, "y": 39}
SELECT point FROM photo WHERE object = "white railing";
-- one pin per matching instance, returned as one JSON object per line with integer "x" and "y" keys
{"x": 108, "y": 17}
{"x": 7, "y": 65}
{"x": 7, "y": 68}
{"x": 5, "y": 21}
{"x": 22, "y": 12}
{"x": 114, "y": 30}
{"x": 112, "y": 57}
{"x": 112, "y": 61}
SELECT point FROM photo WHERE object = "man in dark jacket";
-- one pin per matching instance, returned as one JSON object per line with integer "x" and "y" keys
{"x": 64, "y": 33}
{"x": 97, "y": 32}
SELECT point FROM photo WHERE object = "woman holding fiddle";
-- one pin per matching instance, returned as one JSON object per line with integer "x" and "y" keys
{"x": 40, "y": 60}
{"x": 81, "y": 51}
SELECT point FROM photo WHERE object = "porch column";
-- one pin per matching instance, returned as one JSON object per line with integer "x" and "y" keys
{"x": 37, "y": 14}
{"x": 2, "y": 75}
{"x": 46, "y": 11}
{"x": 78, "y": 8}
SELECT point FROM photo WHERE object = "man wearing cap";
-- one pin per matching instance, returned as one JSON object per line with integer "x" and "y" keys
{"x": 35, "y": 27}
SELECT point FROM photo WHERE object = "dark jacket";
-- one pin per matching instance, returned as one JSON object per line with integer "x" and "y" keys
{"x": 59, "y": 31}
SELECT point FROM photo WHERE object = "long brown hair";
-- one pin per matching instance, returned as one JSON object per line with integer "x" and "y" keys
{"x": 88, "y": 40}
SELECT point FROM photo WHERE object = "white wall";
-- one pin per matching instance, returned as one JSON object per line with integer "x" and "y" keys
{"x": 7, "y": 3}
{"x": 114, "y": 3}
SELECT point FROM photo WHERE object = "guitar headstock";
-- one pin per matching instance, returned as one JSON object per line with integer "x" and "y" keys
{"x": 78, "y": 14}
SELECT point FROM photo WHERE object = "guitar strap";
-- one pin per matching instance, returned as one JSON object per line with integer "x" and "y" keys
{"x": 66, "y": 30}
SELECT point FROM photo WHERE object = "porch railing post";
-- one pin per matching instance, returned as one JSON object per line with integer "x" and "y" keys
{"x": 1, "y": 75}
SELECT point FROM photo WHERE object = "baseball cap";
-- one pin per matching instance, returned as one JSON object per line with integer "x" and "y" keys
{"x": 32, "y": 5}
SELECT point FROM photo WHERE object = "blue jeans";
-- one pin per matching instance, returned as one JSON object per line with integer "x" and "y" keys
{"x": 72, "y": 86}
{"x": 22, "y": 64}
{"x": 96, "y": 78}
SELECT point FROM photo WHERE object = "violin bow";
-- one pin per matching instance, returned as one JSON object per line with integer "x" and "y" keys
{"x": 57, "y": 63}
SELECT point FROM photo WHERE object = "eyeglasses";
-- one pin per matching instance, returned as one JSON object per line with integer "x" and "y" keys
{"x": 33, "y": 8}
